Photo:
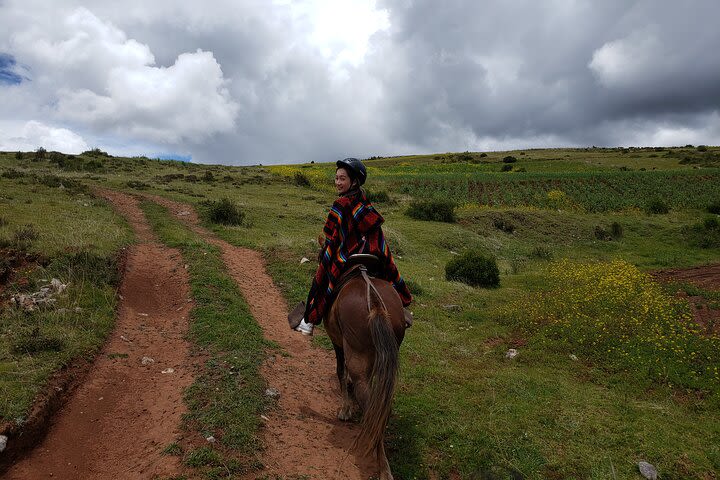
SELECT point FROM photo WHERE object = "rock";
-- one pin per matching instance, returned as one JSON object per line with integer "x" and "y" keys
{"x": 304, "y": 260}
{"x": 183, "y": 213}
{"x": 168, "y": 370}
{"x": 573, "y": 357}
{"x": 264, "y": 418}
{"x": 210, "y": 439}
{"x": 3, "y": 442}
{"x": 648, "y": 471}
{"x": 147, "y": 360}
{"x": 272, "y": 393}
{"x": 452, "y": 308}
{"x": 124, "y": 338}
{"x": 511, "y": 353}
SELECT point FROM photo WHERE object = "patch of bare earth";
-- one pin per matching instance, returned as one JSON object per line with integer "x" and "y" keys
{"x": 706, "y": 277}
{"x": 302, "y": 436}
{"x": 116, "y": 424}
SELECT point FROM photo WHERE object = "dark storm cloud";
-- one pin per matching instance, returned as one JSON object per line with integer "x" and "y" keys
{"x": 562, "y": 69}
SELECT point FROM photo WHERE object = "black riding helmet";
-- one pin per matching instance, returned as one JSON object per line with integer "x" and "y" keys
{"x": 355, "y": 167}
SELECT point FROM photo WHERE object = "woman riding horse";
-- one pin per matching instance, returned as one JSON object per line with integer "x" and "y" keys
{"x": 353, "y": 226}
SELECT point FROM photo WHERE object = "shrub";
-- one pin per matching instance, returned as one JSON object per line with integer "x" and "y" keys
{"x": 3, "y": 221}
{"x": 711, "y": 223}
{"x": 616, "y": 230}
{"x": 19, "y": 155}
{"x": 433, "y": 210}
{"x": 56, "y": 157}
{"x": 378, "y": 196}
{"x": 301, "y": 180}
{"x": 95, "y": 152}
{"x": 12, "y": 173}
{"x": 226, "y": 212}
{"x": 542, "y": 253}
{"x": 702, "y": 148}
{"x": 208, "y": 176}
{"x": 714, "y": 207}
{"x": 705, "y": 234}
{"x": 40, "y": 154}
{"x": 24, "y": 236}
{"x": 509, "y": 159}
{"x": 137, "y": 185}
{"x": 33, "y": 341}
{"x": 506, "y": 168}
{"x": 602, "y": 234}
{"x": 483, "y": 155}
{"x": 504, "y": 225}
{"x": 657, "y": 206}
{"x": 473, "y": 268}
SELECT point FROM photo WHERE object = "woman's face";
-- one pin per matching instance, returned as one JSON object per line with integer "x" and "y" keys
{"x": 342, "y": 181}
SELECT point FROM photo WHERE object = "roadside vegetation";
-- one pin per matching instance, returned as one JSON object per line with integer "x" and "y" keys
{"x": 573, "y": 233}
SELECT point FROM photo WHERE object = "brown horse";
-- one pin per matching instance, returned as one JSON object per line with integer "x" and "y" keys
{"x": 366, "y": 324}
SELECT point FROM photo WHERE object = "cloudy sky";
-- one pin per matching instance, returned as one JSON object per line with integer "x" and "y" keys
{"x": 281, "y": 81}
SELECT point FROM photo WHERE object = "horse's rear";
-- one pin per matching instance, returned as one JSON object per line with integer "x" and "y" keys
{"x": 366, "y": 325}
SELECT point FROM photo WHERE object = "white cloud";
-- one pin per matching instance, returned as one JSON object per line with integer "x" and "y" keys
{"x": 34, "y": 134}
{"x": 628, "y": 60}
{"x": 186, "y": 101}
{"x": 99, "y": 78}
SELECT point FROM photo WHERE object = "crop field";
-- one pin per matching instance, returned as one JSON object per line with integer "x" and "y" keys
{"x": 614, "y": 363}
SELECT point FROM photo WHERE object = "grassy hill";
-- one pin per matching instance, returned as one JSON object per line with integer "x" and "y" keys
{"x": 611, "y": 368}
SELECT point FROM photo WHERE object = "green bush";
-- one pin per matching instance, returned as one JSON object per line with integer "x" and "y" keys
{"x": 506, "y": 168}
{"x": 433, "y": 210}
{"x": 702, "y": 148}
{"x": 40, "y": 154}
{"x": 301, "y": 180}
{"x": 705, "y": 234}
{"x": 474, "y": 268}
{"x": 208, "y": 176}
{"x": 24, "y": 236}
{"x": 378, "y": 196}
{"x": 509, "y": 159}
{"x": 714, "y": 207}
{"x": 226, "y": 212}
{"x": 657, "y": 206}
{"x": 616, "y": 230}
{"x": 483, "y": 155}
{"x": 504, "y": 225}
{"x": 542, "y": 253}
{"x": 34, "y": 341}
{"x": 19, "y": 155}
{"x": 137, "y": 185}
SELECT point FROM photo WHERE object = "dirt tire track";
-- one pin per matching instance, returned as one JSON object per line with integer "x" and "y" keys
{"x": 303, "y": 435}
{"x": 116, "y": 424}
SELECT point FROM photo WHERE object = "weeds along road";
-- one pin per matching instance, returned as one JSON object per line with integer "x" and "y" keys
{"x": 302, "y": 436}
{"x": 118, "y": 421}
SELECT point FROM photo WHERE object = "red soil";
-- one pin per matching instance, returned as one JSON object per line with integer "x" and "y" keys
{"x": 116, "y": 424}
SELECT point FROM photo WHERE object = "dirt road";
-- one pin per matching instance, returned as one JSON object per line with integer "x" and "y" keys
{"x": 116, "y": 424}
{"x": 302, "y": 436}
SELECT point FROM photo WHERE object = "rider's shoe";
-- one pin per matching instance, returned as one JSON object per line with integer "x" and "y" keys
{"x": 305, "y": 328}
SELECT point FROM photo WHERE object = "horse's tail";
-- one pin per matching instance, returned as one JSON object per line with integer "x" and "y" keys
{"x": 383, "y": 379}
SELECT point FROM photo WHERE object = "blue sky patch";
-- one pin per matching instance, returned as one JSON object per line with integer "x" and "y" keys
{"x": 7, "y": 70}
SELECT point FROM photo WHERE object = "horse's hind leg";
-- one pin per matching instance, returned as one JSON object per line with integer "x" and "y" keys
{"x": 347, "y": 410}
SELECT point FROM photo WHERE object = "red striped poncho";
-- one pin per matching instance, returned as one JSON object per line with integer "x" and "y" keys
{"x": 353, "y": 226}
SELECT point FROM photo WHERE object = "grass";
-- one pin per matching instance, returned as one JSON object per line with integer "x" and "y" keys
{"x": 462, "y": 408}
{"x": 36, "y": 344}
{"x": 226, "y": 399}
